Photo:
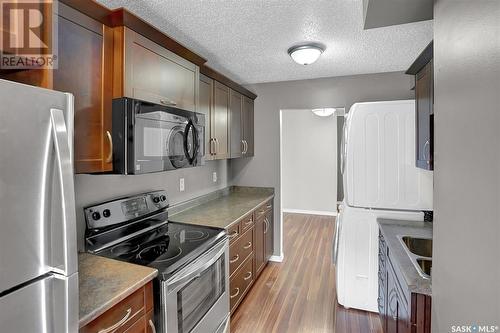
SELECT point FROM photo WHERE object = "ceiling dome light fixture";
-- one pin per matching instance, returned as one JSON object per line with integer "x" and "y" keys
{"x": 326, "y": 112}
{"x": 306, "y": 54}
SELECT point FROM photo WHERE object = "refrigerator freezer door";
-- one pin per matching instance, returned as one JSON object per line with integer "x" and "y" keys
{"x": 380, "y": 169}
{"x": 47, "y": 305}
{"x": 37, "y": 205}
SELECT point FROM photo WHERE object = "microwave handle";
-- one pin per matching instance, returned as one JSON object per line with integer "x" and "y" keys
{"x": 199, "y": 267}
{"x": 189, "y": 126}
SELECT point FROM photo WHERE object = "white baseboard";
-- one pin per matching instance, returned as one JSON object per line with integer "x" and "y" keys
{"x": 277, "y": 258}
{"x": 310, "y": 212}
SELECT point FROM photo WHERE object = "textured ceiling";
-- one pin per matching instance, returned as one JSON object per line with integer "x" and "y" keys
{"x": 247, "y": 40}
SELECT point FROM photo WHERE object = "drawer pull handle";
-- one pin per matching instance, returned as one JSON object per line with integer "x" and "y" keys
{"x": 234, "y": 234}
{"x": 248, "y": 222}
{"x": 153, "y": 328}
{"x": 235, "y": 259}
{"x": 118, "y": 324}
{"x": 235, "y": 294}
{"x": 248, "y": 276}
{"x": 249, "y": 245}
{"x": 269, "y": 206}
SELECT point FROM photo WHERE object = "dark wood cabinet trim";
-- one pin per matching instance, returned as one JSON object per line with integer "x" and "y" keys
{"x": 122, "y": 17}
{"x": 422, "y": 60}
{"x": 206, "y": 70}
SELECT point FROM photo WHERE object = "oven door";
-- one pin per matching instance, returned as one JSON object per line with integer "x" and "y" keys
{"x": 197, "y": 297}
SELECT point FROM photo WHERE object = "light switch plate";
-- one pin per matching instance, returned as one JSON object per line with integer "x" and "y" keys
{"x": 214, "y": 177}
{"x": 181, "y": 185}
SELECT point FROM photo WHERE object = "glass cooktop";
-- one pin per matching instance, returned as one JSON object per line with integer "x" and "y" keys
{"x": 166, "y": 248}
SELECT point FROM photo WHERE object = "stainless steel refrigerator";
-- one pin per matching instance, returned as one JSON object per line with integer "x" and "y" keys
{"x": 38, "y": 256}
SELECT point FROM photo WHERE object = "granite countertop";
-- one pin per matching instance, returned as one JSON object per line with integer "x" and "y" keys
{"x": 392, "y": 230}
{"x": 226, "y": 210}
{"x": 104, "y": 282}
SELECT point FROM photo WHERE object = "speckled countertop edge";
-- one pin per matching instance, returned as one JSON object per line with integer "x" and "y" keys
{"x": 196, "y": 212}
{"x": 392, "y": 230}
{"x": 105, "y": 291}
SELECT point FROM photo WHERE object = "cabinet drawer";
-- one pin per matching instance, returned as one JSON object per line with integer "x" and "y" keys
{"x": 246, "y": 223}
{"x": 263, "y": 209}
{"x": 122, "y": 315}
{"x": 240, "y": 250}
{"x": 240, "y": 283}
{"x": 233, "y": 232}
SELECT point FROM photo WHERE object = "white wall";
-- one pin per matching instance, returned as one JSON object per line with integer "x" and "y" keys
{"x": 466, "y": 254}
{"x": 308, "y": 161}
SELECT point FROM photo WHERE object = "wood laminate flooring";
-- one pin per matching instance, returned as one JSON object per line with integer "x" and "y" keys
{"x": 298, "y": 295}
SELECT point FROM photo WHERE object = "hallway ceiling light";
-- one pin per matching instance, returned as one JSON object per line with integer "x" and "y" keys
{"x": 326, "y": 112}
{"x": 306, "y": 54}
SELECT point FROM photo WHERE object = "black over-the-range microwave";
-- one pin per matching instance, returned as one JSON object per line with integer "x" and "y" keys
{"x": 152, "y": 138}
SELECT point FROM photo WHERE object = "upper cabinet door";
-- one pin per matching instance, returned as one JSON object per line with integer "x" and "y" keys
{"x": 206, "y": 107}
{"x": 235, "y": 125}
{"x": 85, "y": 70}
{"x": 247, "y": 124}
{"x": 424, "y": 117}
{"x": 155, "y": 74}
{"x": 220, "y": 120}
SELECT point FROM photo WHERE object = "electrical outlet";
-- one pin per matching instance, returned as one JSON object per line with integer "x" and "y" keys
{"x": 181, "y": 185}
{"x": 214, "y": 177}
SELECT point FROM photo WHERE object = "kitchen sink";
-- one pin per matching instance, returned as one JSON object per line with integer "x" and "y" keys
{"x": 425, "y": 266}
{"x": 418, "y": 246}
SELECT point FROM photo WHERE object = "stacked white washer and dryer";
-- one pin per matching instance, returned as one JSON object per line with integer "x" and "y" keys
{"x": 380, "y": 180}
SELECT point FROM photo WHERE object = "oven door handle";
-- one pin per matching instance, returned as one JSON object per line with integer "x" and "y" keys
{"x": 199, "y": 267}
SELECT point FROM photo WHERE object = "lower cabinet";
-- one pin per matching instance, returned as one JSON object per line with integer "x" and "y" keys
{"x": 398, "y": 315}
{"x": 250, "y": 247}
{"x": 132, "y": 315}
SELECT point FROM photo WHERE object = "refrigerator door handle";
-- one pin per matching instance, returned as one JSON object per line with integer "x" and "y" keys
{"x": 67, "y": 243}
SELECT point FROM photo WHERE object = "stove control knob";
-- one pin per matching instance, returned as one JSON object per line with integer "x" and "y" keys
{"x": 96, "y": 216}
{"x": 156, "y": 199}
{"x": 106, "y": 213}
{"x": 163, "y": 198}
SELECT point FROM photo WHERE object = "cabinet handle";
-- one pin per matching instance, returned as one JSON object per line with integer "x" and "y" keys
{"x": 269, "y": 206}
{"x": 266, "y": 225}
{"x": 248, "y": 276}
{"x": 235, "y": 259}
{"x": 168, "y": 102}
{"x": 153, "y": 328}
{"x": 236, "y": 294}
{"x": 249, "y": 245}
{"x": 234, "y": 234}
{"x": 118, "y": 324}
{"x": 427, "y": 144}
{"x": 243, "y": 147}
{"x": 109, "y": 159}
{"x": 248, "y": 222}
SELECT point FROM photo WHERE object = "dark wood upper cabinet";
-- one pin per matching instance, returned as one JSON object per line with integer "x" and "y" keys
{"x": 247, "y": 125}
{"x": 423, "y": 71}
{"x": 149, "y": 72}
{"x": 85, "y": 70}
{"x": 235, "y": 124}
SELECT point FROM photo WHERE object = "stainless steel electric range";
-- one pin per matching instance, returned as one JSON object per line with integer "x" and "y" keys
{"x": 191, "y": 290}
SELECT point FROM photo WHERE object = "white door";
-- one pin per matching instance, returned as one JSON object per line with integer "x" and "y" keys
{"x": 380, "y": 169}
